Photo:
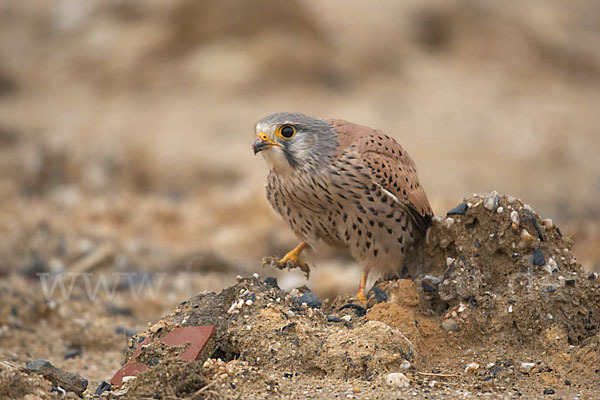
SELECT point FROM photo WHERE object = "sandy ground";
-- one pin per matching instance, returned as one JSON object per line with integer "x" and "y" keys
{"x": 125, "y": 131}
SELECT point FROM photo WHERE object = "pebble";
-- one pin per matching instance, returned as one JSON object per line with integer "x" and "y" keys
{"x": 471, "y": 368}
{"x": 380, "y": 295}
{"x": 427, "y": 286}
{"x": 450, "y": 324}
{"x": 66, "y": 380}
{"x": 538, "y": 257}
{"x": 552, "y": 263}
{"x": 72, "y": 353}
{"x": 102, "y": 387}
{"x": 491, "y": 201}
{"x": 310, "y": 299}
{"x": 548, "y": 223}
{"x": 405, "y": 364}
{"x": 514, "y": 217}
{"x": 500, "y": 210}
{"x": 359, "y": 311}
{"x": 333, "y": 318}
{"x": 448, "y": 222}
{"x": 256, "y": 276}
{"x": 525, "y": 235}
{"x": 449, "y": 261}
{"x": 290, "y": 314}
{"x": 548, "y": 391}
{"x": 526, "y": 366}
{"x": 347, "y": 318}
{"x": 397, "y": 380}
{"x": 460, "y": 209}
{"x": 271, "y": 281}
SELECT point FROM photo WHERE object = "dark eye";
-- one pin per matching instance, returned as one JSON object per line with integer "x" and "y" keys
{"x": 287, "y": 131}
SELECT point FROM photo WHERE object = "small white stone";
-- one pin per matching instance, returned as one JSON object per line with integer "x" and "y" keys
{"x": 461, "y": 308}
{"x": 500, "y": 210}
{"x": 527, "y": 366}
{"x": 249, "y": 302}
{"x": 449, "y": 261}
{"x": 510, "y": 308}
{"x": 547, "y": 223}
{"x": 405, "y": 364}
{"x": 549, "y": 316}
{"x": 548, "y": 268}
{"x": 232, "y": 308}
{"x": 128, "y": 378}
{"x": 437, "y": 219}
{"x": 255, "y": 275}
{"x": 448, "y": 222}
{"x": 290, "y": 314}
{"x": 347, "y": 318}
{"x": 471, "y": 368}
{"x": 397, "y": 380}
{"x": 514, "y": 217}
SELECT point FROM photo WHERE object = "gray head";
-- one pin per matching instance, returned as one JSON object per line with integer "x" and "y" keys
{"x": 292, "y": 140}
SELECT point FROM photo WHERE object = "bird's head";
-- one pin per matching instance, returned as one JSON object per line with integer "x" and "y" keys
{"x": 294, "y": 140}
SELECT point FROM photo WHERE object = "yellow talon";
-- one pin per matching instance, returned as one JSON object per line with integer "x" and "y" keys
{"x": 294, "y": 256}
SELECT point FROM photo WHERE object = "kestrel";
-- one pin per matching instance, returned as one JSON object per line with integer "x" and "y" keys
{"x": 345, "y": 184}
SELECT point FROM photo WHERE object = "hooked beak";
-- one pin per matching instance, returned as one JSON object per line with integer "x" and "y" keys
{"x": 262, "y": 142}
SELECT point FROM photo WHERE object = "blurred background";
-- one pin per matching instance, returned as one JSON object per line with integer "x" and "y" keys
{"x": 125, "y": 125}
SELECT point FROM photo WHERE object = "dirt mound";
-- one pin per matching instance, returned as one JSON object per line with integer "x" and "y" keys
{"x": 508, "y": 271}
{"x": 495, "y": 303}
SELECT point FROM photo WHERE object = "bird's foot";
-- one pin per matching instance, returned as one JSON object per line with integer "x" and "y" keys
{"x": 361, "y": 297}
{"x": 290, "y": 260}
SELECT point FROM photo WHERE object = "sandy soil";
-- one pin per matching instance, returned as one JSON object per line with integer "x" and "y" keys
{"x": 126, "y": 171}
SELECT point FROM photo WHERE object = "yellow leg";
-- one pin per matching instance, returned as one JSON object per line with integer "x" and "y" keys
{"x": 361, "y": 288}
{"x": 294, "y": 256}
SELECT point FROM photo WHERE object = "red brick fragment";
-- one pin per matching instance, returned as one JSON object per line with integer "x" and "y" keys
{"x": 196, "y": 336}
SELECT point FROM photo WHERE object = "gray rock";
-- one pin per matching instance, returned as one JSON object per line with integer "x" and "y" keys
{"x": 538, "y": 257}
{"x": 450, "y": 324}
{"x": 310, "y": 299}
{"x": 460, "y": 209}
{"x": 492, "y": 201}
{"x": 66, "y": 380}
